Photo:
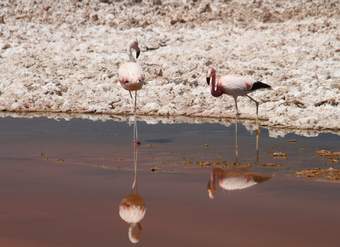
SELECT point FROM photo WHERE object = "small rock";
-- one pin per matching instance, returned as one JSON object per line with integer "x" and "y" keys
{"x": 205, "y": 8}
{"x": 95, "y": 17}
{"x": 328, "y": 154}
{"x": 332, "y": 102}
{"x": 46, "y": 8}
{"x": 281, "y": 155}
{"x": 6, "y": 46}
{"x": 157, "y": 2}
{"x": 154, "y": 169}
{"x": 173, "y": 22}
{"x": 60, "y": 160}
{"x": 160, "y": 72}
{"x": 271, "y": 165}
{"x": 323, "y": 173}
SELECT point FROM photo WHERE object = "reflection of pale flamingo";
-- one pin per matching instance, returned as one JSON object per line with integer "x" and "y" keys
{"x": 131, "y": 76}
{"x": 132, "y": 208}
{"x": 235, "y": 179}
{"x": 234, "y": 86}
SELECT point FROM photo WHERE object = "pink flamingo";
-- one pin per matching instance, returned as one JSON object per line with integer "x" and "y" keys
{"x": 131, "y": 77}
{"x": 234, "y": 86}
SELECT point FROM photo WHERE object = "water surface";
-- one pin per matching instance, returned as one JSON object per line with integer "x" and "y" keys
{"x": 62, "y": 184}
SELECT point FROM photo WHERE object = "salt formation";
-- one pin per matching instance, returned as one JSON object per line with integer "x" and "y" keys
{"x": 63, "y": 56}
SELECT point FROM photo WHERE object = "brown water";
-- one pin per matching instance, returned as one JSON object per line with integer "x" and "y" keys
{"x": 62, "y": 184}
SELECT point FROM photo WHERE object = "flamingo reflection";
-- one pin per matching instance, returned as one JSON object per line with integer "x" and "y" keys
{"x": 132, "y": 207}
{"x": 235, "y": 179}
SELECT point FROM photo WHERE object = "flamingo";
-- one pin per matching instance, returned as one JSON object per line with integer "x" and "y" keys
{"x": 234, "y": 86}
{"x": 131, "y": 77}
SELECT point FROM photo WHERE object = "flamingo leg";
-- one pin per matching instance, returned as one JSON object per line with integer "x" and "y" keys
{"x": 135, "y": 133}
{"x": 258, "y": 129}
{"x": 257, "y": 106}
{"x": 130, "y": 94}
{"x": 135, "y": 157}
{"x": 236, "y": 140}
{"x": 135, "y": 106}
{"x": 237, "y": 113}
{"x": 257, "y": 144}
{"x": 135, "y": 144}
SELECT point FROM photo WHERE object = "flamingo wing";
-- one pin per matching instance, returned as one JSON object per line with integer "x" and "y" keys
{"x": 236, "y": 183}
{"x": 234, "y": 83}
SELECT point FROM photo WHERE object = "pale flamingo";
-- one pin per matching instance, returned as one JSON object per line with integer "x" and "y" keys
{"x": 234, "y": 86}
{"x": 131, "y": 77}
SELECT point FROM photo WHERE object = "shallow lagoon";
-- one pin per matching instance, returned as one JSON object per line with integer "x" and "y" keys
{"x": 62, "y": 183}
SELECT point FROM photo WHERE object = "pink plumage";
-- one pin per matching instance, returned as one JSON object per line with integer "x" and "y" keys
{"x": 131, "y": 76}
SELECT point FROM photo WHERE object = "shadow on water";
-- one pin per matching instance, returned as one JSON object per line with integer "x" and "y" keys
{"x": 159, "y": 140}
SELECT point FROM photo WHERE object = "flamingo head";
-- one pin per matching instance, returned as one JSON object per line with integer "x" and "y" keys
{"x": 134, "y": 46}
{"x": 211, "y": 73}
{"x": 211, "y": 188}
{"x": 135, "y": 231}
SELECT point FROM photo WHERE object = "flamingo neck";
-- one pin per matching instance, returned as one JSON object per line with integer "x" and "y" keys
{"x": 213, "y": 180}
{"x": 131, "y": 57}
{"x": 213, "y": 83}
{"x": 215, "y": 90}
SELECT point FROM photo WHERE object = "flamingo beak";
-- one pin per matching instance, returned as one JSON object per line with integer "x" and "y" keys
{"x": 137, "y": 53}
{"x": 208, "y": 80}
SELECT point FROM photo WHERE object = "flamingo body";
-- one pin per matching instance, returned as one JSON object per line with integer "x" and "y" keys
{"x": 231, "y": 180}
{"x": 235, "y": 85}
{"x": 236, "y": 183}
{"x": 131, "y": 76}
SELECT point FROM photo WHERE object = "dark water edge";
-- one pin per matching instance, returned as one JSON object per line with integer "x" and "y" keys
{"x": 62, "y": 183}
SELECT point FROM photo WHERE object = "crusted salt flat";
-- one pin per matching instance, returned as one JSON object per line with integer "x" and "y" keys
{"x": 63, "y": 56}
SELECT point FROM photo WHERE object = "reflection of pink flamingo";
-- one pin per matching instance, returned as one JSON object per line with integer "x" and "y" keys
{"x": 234, "y": 86}
{"x": 132, "y": 207}
{"x": 131, "y": 77}
{"x": 233, "y": 180}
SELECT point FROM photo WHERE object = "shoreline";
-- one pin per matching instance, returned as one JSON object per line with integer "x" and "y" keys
{"x": 249, "y": 123}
